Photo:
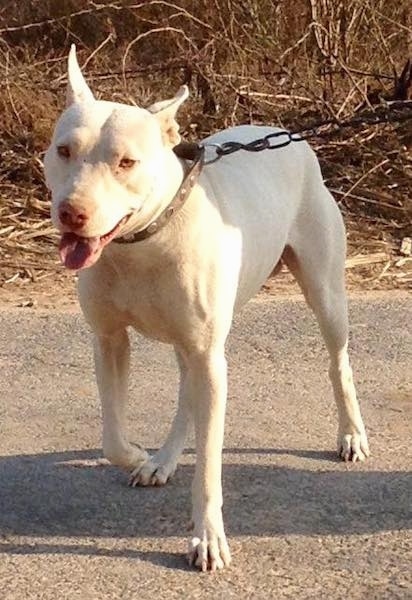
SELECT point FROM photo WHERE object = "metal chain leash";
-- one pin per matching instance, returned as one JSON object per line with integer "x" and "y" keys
{"x": 389, "y": 113}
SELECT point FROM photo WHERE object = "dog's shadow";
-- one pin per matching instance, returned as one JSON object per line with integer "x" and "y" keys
{"x": 47, "y": 495}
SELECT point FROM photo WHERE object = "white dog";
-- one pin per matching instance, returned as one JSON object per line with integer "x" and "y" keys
{"x": 112, "y": 172}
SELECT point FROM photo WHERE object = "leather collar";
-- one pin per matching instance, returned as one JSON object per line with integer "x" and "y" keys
{"x": 186, "y": 151}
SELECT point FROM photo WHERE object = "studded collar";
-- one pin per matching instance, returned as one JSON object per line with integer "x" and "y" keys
{"x": 186, "y": 151}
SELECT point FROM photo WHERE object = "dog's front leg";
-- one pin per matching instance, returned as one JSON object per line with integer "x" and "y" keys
{"x": 206, "y": 383}
{"x": 112, "y": 354}
{"x": 160, "y": 467}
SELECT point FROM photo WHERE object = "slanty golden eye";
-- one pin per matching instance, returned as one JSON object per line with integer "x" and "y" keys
{"x": 127, "y": 163}
{"x": 63, "y": 151}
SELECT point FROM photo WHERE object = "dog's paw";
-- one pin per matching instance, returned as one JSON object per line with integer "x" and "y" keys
{"x": 152, "y": 472}
{"x": 209, "y": 550}
{"x": 353, "y": 447}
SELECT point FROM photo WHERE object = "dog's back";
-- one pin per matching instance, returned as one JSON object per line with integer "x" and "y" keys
{"x": 267, "y": 196}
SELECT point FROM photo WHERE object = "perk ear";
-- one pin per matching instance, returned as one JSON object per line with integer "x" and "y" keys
{"x": 77, "y": 88}
{"x": 165, "y": 112}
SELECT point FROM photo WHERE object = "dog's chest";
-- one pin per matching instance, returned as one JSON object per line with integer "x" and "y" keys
{"x": 144, "y": 306}
{"x": 156, "y": 301}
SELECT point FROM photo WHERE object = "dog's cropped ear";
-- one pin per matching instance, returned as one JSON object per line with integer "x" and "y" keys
{"x": 165, "y": 112}
{"x": 77, "y": 88}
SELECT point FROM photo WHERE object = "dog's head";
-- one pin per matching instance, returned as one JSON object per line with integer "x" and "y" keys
{"x": 106, "y": 167}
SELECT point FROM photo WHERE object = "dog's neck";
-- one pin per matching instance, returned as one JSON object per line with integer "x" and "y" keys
{"x": 184, "y": 151}
{"x": 173, "y": 171}
{"x": 165, "y": 244}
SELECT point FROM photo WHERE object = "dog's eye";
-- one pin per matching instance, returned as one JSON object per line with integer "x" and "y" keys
{"x": 127, "y": 163}
{"x": 63, "y": 151}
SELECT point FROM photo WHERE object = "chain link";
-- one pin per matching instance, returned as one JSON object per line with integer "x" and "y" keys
{"x": 392, "y": 112}
{"x": 265, "y": 143}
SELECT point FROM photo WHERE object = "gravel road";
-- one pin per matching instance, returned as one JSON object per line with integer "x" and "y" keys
{"x": 301, "y": 524}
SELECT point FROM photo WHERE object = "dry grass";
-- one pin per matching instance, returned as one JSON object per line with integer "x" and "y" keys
{"x": 249, "y": 61}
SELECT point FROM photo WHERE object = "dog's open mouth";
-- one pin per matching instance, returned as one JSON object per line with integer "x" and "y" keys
{"x": 78, "y": 252}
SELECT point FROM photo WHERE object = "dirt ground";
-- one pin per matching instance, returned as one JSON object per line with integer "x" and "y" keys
{"x": 56, "y": 287}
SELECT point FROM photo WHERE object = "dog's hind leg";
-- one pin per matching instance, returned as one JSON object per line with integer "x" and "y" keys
{"x": 112, "y": 353}
{"x": 160, "y": 467}
{"x": 317, "y": 260}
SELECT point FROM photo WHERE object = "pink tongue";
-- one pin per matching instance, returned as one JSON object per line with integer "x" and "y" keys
{"x": 77, "y": 252}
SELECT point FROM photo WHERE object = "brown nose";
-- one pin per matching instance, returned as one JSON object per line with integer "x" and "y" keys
{"x": 70, "y": 216}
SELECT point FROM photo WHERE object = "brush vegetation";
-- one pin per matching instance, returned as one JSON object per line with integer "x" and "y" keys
{"x": 245, "y": 61}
